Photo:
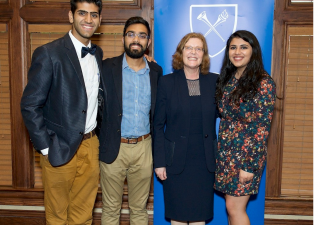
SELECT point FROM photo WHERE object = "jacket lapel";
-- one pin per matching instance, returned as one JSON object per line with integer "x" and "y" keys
{"x": 117, "y": 77}
{"x": 99, "y": 60}
{"x": 183, "y": 98}
{"x": 183, "y": 91}
{"x": 153, "y": 84}
{"x": 73, "y": 57}
{"x": 207, "y": 96}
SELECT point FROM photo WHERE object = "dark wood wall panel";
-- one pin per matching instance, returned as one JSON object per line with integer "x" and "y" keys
{"x": 19, "y": 217}
{"x": 14, "y": 217}
{"x": 287, "y": 222}
{"x": 6, "y": 12}
{"x": 22, "y": 154}
{"x": 284, "y": 14}
{"x": 31, "y": 197}
{"x": 289, "y": 207}
{"x": 113, "y": 12}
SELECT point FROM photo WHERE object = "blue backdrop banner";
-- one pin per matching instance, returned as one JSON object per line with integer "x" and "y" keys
{"x": 217, "y": 20}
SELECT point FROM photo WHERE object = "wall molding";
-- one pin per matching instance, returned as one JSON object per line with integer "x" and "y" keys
{"x": 289, "y": 206}
{"x": 36, "y": 217}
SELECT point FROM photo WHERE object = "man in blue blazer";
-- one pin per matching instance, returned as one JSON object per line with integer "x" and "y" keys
{"x": 59, "y": 108}
{"x": 129, "y": 90}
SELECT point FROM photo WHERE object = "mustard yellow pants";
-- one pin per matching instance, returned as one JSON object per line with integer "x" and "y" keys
{"x": 70, "y": 190}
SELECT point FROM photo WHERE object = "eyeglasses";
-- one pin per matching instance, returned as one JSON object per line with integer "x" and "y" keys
{"x": 133, "y": 35}
{"x": 190, "y": 48}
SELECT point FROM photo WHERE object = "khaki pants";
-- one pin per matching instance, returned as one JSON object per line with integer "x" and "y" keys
{"x": 134, "y": 162}
{"x": 70, "y": 190}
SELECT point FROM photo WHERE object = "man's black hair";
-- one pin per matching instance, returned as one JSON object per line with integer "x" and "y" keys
{"x": 73, "y": 4}
{"x": 136, "y": 20}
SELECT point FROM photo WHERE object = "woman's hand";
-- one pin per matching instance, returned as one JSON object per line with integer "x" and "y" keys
{"x": 149, "y": 58}
{"x": 245, "y": 176}
{"x": 161, "y": 173}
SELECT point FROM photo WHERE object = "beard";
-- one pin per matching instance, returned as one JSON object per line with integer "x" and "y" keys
{"x": 135, "y": 53}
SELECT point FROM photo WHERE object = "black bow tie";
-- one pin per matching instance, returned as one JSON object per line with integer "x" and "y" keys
{"x": 86, "y": 50}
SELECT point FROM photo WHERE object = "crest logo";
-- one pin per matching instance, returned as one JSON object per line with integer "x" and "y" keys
{"x": 216, "y": 22}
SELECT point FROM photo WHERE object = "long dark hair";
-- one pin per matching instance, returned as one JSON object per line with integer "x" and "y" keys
{"x": 249, "y": 81}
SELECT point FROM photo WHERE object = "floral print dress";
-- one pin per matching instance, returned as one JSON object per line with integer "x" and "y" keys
{"x": 243, "y": 135}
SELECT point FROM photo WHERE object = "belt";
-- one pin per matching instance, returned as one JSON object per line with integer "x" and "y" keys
{"x": 133, "y": 140}
{"x": 89, "y": 135}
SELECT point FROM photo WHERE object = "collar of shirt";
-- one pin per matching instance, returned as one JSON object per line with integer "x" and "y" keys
{"x": 78, "y": 45}
{"x": 125, "y": 65}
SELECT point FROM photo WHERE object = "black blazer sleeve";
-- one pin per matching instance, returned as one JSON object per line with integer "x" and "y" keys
{"x": 35, "y": 96}
{"x": 155, "y": 73}
{"x": 160, "y": 119}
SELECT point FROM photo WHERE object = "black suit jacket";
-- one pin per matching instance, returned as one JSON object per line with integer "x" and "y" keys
{"x": 54, "y": 102}
{"x": 111, "y": 90}
{"x": 173, "y": 113}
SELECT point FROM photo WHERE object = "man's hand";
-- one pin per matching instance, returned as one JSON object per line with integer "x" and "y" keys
{"x": 161, "y": 173}
{"x": 149, "y": 58}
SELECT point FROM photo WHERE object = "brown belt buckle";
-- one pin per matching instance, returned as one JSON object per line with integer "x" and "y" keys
{"x": 131, "y": 140}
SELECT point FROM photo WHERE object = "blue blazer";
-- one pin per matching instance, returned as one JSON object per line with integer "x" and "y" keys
{"x": 171, "y": 121}
{"x": 54, "y": 102}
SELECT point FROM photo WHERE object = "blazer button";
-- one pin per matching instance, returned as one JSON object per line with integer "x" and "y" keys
{"x": 84, "y": 111}
{"x": 118, "y": 131}
{"x": 119, "y": 114}
{"x": 206, "y": 136}
{"x": 81, "y": 133}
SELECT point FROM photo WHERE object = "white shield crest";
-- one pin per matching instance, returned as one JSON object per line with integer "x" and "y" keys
{"x": 216, "y": 22}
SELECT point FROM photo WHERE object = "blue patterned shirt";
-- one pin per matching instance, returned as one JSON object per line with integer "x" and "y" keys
{"x": 136, "y": 100}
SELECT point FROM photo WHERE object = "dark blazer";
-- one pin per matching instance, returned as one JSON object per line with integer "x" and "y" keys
{"x": 173, "y": 113}
{"x": 54, "y": 102}
{"x": 111, "y": 85}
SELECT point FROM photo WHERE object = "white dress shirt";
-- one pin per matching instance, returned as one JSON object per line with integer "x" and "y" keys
{"x": 91, "y": 76}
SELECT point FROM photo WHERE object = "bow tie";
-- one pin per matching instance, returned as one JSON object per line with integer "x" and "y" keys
{"x": 86, "y": 50}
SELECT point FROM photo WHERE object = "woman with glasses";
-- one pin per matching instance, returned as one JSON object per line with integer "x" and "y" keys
{"x": 184, "y": 133}
{"x": 245, "y": 96}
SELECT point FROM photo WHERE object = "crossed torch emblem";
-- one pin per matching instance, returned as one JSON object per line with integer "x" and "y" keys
{"x": 221, "y": 18}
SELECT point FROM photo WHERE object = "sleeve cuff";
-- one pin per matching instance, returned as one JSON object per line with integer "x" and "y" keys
{"x": 45, "y": 151}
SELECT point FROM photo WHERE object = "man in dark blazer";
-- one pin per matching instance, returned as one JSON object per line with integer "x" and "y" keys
{"x": 129, "y": 91}
{"x": 59, "y": 108}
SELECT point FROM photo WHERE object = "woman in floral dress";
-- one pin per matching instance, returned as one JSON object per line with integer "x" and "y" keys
{"x": 245, "y": 97}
